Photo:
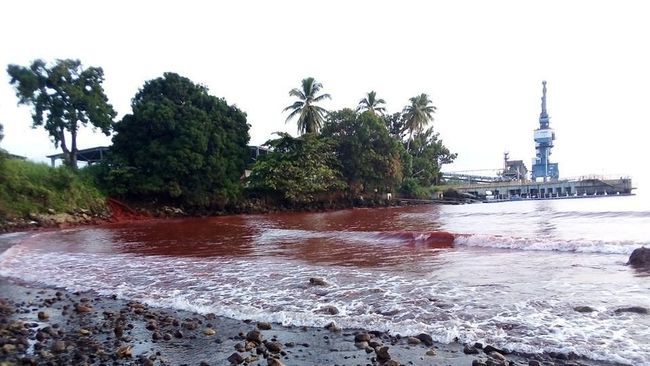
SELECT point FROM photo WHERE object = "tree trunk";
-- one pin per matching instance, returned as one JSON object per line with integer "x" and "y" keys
{"x": 73, "y": 150}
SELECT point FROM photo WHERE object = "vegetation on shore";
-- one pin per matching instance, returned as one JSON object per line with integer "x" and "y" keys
{"x": 28, "y": 189}
{"x": 183, "y": 147}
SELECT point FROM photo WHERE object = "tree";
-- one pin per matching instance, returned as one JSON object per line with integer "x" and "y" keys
{"x": 2, "y": 135}
{"x": 311, "y": 117}
{"x": 64, "y": 97}
{"x": 428, "y": 155}
{"x": 369, "y": 156}
{"x": 180, "y": 144}
{"x": 418, "y": 115}
{"x": 372, "y": 104}
{"x": 297, "y": 170}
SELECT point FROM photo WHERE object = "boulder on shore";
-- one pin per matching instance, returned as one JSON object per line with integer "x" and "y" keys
{"x": 640, "y": 257}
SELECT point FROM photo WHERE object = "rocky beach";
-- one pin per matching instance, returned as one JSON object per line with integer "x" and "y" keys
{"x": 47, "y": 326}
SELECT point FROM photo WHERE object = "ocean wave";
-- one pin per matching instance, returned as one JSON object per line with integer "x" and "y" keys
{"x": 547, "y": 244}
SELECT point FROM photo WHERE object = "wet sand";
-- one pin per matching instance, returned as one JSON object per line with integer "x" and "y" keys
{"x": 45, "y": 326}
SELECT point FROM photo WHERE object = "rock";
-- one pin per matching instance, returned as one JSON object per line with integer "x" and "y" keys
{"x": 263, "y": 326}
{"x": 413, "y": 340}
{"x": 640, "y": 257}
{"x": 58, "y": 347}
{"x": 361, "y": 345}
{"x": 332, "y": 327}
{"x": 124, "y": 351}
{"x": 490, "y": 349}
{"x": 209, "y": 332}
{"x": 8, "y": 348}
{"x": 632, "y": 309}
{"x": 431, "y": 352}
{"x": 362, "y": 337}
{"x": 391, "y": 363}
{"x": 254, "y": 336}
{"x": 274, "y": 362}
{"x": 274, "y": 347}
{"x": 235, "y": 359}
{"x": 497, "y": 356}
{"x": 534, "y": 363}
{"x": 469, "y": 350}
{"x": 43, "y": 316}
{"x": 382, "y": 354}
{"x": 178, "y": 333}
{"x": 328, "y": 309}
{"x": 152, "y": 326}
{"x": 167, "y": 337}
{"x": 85, "y": 332}
{"x": 426, "y": 339}
{"x": 584, "y": 309}
{"x": 478, "y": 363}
{"x": 317, "y": 281}
{"x": 119, "y": 331}
{"x": 83, "y": 308}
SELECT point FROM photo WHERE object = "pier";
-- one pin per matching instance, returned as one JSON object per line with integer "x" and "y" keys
{"x": 577, "y": 187}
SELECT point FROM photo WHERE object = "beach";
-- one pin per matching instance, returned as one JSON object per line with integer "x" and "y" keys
{"x": 424, "y": 281}
{"x": 52, "y": 326}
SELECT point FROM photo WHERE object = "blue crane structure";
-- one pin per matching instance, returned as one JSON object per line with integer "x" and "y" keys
{"x": 544, "y": 136}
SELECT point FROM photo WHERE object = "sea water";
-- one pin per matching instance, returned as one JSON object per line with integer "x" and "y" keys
{"x": 508, "y": 274}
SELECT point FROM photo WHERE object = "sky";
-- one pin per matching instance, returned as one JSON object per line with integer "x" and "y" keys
{"x": 481, "y": 62}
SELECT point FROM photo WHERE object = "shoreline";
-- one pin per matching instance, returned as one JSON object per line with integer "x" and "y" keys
{"x": 40, "y": 324}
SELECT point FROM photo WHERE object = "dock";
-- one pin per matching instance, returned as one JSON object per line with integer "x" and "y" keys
{"x": 582, "y": 187}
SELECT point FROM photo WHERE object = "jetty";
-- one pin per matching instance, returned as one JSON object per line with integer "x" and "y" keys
{"x": 513, "y": 183}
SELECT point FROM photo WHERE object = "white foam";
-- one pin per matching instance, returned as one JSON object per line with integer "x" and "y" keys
{"x": 452, "y": 295}
{"x": 547, "y": 244}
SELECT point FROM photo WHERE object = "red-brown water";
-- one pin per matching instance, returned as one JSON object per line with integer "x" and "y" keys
{"x": 505, "y": 274}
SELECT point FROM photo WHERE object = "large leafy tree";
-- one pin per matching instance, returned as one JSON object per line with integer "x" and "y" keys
{"x": 297, "y": 170}
{"x": 180, "y": 144}
{"x": 428, "y": 154}
{"x": 310, "y": 115}
{"x": 417, "y": 115}
{"x": 370, "y": 157}
{"x": 64, "y": 97}
{"x": 372, "y": 104}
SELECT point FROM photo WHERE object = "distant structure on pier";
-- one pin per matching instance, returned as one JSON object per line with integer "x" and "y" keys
{"x": 544, "y": 136}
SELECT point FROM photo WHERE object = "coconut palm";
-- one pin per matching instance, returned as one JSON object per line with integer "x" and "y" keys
{"x": 310, "y": 115}
{"x": 418, "y": 115}
{"x": 372, "y": 104}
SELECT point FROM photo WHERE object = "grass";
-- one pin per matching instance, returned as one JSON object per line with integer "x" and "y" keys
{"x": 29, "y": 188}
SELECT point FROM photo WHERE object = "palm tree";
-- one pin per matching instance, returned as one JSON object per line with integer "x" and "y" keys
{"x": 418, "y": 115}
{"x": 372, "y": 104}
{"x": 310, "y": 115}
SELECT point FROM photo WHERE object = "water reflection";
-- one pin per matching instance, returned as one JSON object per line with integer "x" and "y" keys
{"x": 545, "y": 211}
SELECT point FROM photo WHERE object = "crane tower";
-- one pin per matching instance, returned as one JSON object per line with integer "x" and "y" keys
{"x": 544, "y": 136}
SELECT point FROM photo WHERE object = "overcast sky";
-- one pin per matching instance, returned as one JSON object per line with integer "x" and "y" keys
{"x": 482, "y": 63}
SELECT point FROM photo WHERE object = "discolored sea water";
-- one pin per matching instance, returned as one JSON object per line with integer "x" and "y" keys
{"x": 508, "y": 274}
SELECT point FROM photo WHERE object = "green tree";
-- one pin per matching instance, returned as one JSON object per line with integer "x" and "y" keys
{"x": 428, "y": 155}
{"x": 2, "y": 135}
{"x": 372, "y": 104}
{"x": 180, "y": 144}
{"x": 417, "y": 115}
{"x": 310, "y": 115}
{"x": 64, "y": 97}
{"x": 369, "y": 156}
{"x": 297, "y": 170}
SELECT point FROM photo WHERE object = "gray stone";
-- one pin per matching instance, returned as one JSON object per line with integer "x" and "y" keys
{"x": 235, "y": 359}
{"x": 584, "y": 309}
{"x": 640, "y": 257}
{"x": 632, "y": 309}
{"x": 426, "y": 339}
{"x": 317, "y": 281}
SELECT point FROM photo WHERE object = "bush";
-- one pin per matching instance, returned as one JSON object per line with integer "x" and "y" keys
{"x": 28, "y": 188}
{"x": 411, "y": 188}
